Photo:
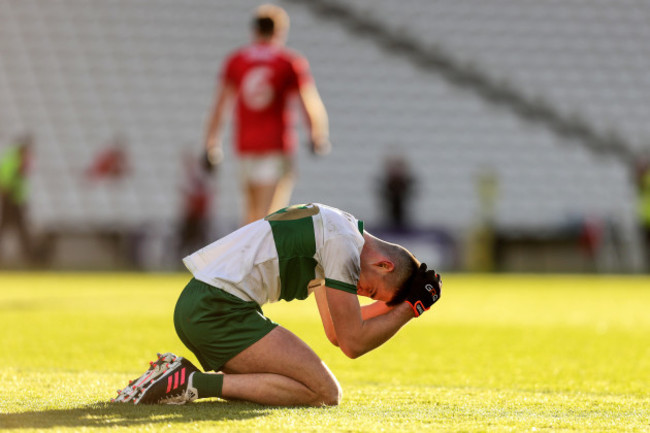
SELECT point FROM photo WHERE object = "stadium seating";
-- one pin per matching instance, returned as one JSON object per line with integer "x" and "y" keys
{"x": 79, "y": 73}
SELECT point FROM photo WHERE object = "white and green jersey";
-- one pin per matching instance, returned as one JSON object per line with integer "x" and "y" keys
{"x": 284, "y": 256}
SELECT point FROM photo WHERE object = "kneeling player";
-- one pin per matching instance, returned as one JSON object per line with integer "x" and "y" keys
{"x": 288, "y": 255}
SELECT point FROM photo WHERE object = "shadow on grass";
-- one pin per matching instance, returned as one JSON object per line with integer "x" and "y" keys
{"x": 123, "y": 415}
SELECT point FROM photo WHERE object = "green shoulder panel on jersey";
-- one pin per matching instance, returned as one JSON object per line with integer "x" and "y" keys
{"x": 294, "y": 212}
{"x": 296, "y": 246}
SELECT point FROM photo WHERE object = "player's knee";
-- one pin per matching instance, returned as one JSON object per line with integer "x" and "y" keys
{"x": 330, "y": 394}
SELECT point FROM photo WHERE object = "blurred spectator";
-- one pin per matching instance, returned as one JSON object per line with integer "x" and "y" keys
{"x": 260, "y": 78}
{"x": 110, "y": 163}
{"x": 643, "y": 186}
{"x": 590, "y": 240}
{"x": 396, "y": 191}
{"x": 483, "y": 251}
{"x": 14, "y": 170}
{"x": 195, "y": 214}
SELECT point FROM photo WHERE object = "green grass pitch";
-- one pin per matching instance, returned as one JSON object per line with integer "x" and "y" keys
{"x": 497, "y": 353}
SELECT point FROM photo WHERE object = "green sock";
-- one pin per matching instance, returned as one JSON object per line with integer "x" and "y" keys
{"x": 207, "y": 384}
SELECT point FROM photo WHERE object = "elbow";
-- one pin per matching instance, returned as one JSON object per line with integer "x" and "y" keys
{"x": 333, "y": 340}
{"x": 352, "y": 351}
{"x": 351, "y": 355}
{"x": 331, "y": 336}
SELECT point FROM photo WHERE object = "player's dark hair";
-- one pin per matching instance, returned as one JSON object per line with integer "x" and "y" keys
{"x": 265, "y": 26}
{"x": 270, "y": 20}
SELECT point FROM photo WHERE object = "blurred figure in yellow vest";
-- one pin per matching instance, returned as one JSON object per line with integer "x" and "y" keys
{"x": 14, "y": 168}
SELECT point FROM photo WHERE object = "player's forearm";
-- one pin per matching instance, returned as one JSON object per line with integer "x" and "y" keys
{"x": 375, "y": 309}
{"x": 326, "y": 318}
{"x": 320, "y": 128}
{"x": 374, "y": 332}
{"x": 217, "y": 116}
{"x": 213, "y": 132}
{"x": 316, "y": 113}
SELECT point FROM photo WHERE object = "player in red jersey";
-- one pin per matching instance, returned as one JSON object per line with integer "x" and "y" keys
{"x": 261, "y": 78}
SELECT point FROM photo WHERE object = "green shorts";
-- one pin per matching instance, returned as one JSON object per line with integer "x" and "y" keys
{"x": 216, "y": 325}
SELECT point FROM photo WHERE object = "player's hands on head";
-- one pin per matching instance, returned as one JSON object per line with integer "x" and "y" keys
{"x": 424, "y": 289}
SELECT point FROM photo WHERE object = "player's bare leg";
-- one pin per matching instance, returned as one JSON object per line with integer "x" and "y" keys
{"x": 258, "y": 199}
{"x": 280, "y": 370}
{"x": 282, "y": 193}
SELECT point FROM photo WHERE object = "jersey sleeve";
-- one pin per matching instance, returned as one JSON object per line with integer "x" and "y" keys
{"x": 229, "y": 69}
{"x": 340, "y": 259}
{"x": 301, "y": 71}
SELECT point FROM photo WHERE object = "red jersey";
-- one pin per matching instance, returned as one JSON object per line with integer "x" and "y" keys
{"x": 266, "y": 76}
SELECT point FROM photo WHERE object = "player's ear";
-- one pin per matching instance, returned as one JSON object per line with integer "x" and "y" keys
{"x": 385, "y": 265}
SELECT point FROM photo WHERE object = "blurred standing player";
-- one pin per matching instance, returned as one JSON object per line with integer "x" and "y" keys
{"x": 261, "y": 78}
{"x": 14, "y": 169}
